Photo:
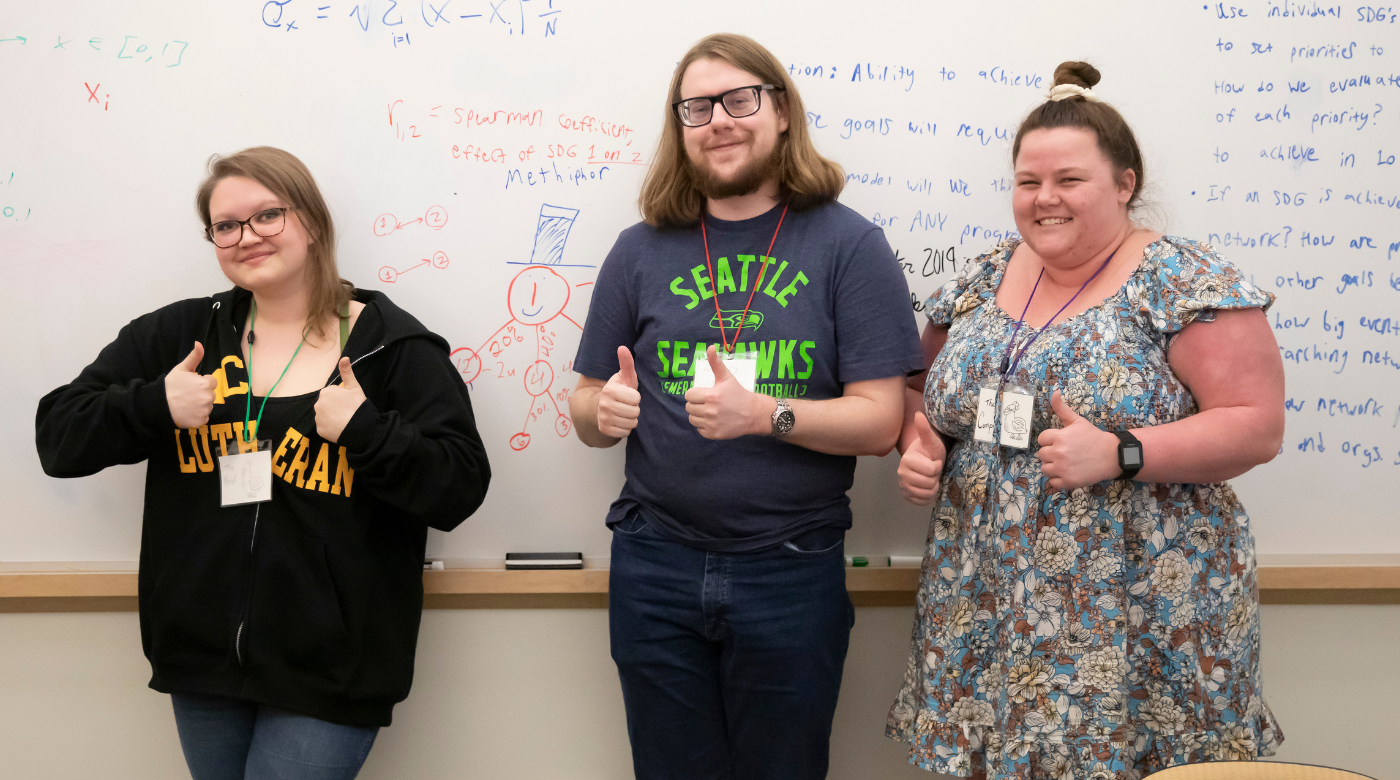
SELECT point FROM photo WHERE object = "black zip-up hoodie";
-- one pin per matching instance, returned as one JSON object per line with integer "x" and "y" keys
{"x": 311, "y": 601}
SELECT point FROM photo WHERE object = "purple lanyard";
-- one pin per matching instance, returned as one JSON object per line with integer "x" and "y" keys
{"x": 1008, "y": 370}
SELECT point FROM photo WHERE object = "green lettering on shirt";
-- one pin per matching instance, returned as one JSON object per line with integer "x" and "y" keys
{"x": 701, "y": 283}
{"x": 806, "y": 345}
{"x": 685, "y": 292}
{"x": 744, "y": 274}
{"x": 726, "y": 277}
{"x": 791, "y": 288}
{"x": 700, "y": 349}
{"x": 678, "y": 359}
{"x": 778, "y": 274}
{"x": 785, "y": 349}
{"x": 661, "y": 353}
{"x": 765, "y": 350}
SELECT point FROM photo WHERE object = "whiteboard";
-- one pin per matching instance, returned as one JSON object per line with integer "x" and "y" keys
{"x": 458, "y": 142}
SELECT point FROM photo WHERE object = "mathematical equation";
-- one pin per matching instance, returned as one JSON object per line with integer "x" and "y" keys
{"x": 399, "y": 20}
{"x": 129, "y": 48}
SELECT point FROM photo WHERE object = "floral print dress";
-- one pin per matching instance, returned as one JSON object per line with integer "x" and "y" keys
{"x": 1102, "y": 633}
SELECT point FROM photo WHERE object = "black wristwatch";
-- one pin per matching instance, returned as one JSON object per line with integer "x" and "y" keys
{"x": 1129, "y": 454}
{"x": 783, "y": 419}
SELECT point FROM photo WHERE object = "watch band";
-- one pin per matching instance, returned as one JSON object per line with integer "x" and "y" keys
{"x": 1129, "y": 454}
{"x": 783, "y": 419}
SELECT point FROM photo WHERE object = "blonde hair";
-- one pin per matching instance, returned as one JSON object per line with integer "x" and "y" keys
{"x": 288, "y": 178}
{"x": 670, "y": 197}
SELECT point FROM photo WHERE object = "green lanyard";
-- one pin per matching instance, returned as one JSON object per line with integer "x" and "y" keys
{"x": 248, "y": 400}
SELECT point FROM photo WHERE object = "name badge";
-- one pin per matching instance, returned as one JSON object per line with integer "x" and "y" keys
{"x": 986, "y": 414}
{"x": 743, "y": 365}
{"x": 1016, "y": 411}
{"x": 246, "y": 478}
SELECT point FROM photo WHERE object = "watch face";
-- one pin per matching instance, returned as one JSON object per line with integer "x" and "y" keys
{"x": 1132, "y": 456}
{"x": 784, "y": 422}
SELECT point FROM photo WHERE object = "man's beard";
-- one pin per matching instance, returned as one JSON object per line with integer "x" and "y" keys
{"x": 746, "y": 181}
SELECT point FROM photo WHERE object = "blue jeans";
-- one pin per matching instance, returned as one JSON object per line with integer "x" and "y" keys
{"x": 232, "y": 739}
{"x": 730, "y": 662}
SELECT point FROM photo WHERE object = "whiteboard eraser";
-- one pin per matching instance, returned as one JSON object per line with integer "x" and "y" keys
{"x": 433, "y": 565}
{"x": 907, "y": 561}
{"x": 572, "y": 560}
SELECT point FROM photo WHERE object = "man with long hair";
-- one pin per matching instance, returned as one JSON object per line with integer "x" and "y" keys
{"x": 748, "y": 340}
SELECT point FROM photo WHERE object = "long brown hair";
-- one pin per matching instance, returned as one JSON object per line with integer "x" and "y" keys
{"x": 288, "y": 178}
{"x": 805, "y": 179}
{"x": 1115, "y": 138}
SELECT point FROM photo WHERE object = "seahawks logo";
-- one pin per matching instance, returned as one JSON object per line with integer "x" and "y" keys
{"x": 733, "y": 320}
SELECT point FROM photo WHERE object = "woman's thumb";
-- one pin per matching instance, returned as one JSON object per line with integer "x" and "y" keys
{"x": 191, "y": 361}
{"x": 925, "y": 431}
{"x": 1062, "y": 409}
{"x": 347, "y": 375}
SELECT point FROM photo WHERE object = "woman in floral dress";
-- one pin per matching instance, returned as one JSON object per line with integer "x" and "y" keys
{"x": 1077, "y": 620}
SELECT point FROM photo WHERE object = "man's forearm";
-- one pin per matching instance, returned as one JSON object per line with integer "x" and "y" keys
{"x": 864, "y": 421}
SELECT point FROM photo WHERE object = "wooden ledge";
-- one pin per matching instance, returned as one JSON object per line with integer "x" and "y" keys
{"x": 1360, "y": 579}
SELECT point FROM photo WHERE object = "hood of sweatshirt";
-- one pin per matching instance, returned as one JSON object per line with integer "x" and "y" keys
{"x": 386, "y": 325}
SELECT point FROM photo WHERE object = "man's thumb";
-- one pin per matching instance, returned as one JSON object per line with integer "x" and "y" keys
{"x": 716, "y": 364}
{"x": 627, "y": 370}
{"x": 347, "y": 375}
{"x": 1062, "y": 409}
{"x": 191, "y": 361}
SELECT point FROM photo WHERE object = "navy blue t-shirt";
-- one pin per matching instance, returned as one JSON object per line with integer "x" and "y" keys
{"x": 833, "y": 307}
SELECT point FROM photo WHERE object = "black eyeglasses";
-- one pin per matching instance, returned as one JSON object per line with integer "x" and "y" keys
{"x": 738, "y": 103}
{"x": 265, "y": 224}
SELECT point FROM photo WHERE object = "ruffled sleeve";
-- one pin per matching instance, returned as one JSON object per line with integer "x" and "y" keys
{"x": 1185, "y": 281}
{"x": 974, "y": 285}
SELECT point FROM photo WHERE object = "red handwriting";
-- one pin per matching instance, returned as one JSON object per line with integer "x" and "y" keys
{"x": 589, "y": 124}
{"x": 591, "y": 154}
{"x": 389, "y": 275}
{"x": 92, "y": 96}
{"x": 485, "y": 126}
{"x": 471, "y": 117}
{"x": 435, "y": 217}
{"x": 537, "y": 297}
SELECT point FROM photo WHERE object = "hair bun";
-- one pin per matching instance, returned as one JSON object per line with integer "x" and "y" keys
{"x": 1080, "y": 74}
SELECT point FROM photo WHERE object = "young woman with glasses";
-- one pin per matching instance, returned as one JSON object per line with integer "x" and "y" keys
{"x": 301, "y": 437}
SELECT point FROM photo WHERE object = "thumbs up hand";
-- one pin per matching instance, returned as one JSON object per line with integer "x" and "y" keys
{"x": 727, "y": 410}
{"x": 922, "y": 464}
{"x": 336, "y": 404}
{"x": 619, "y": 403}
{"x": 189, "y": 395}
{"x": 1078, "y": 453}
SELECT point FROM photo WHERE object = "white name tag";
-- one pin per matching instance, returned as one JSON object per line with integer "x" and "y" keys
{"x": 743, "y": 365}
{"x": 1016, "y": 412}
{"x": 986, "y": 415}
{"x": 246, "y": 478}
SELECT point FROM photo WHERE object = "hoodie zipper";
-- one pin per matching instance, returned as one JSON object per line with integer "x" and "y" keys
{"x": 248, "y": 595}
{"x": 252, "y": 544}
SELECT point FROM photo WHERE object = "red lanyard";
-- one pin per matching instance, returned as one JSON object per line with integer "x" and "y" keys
{"x": 723, "y": 337}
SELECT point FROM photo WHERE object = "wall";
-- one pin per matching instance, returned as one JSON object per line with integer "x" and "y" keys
{"x": 533, "y": 694}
